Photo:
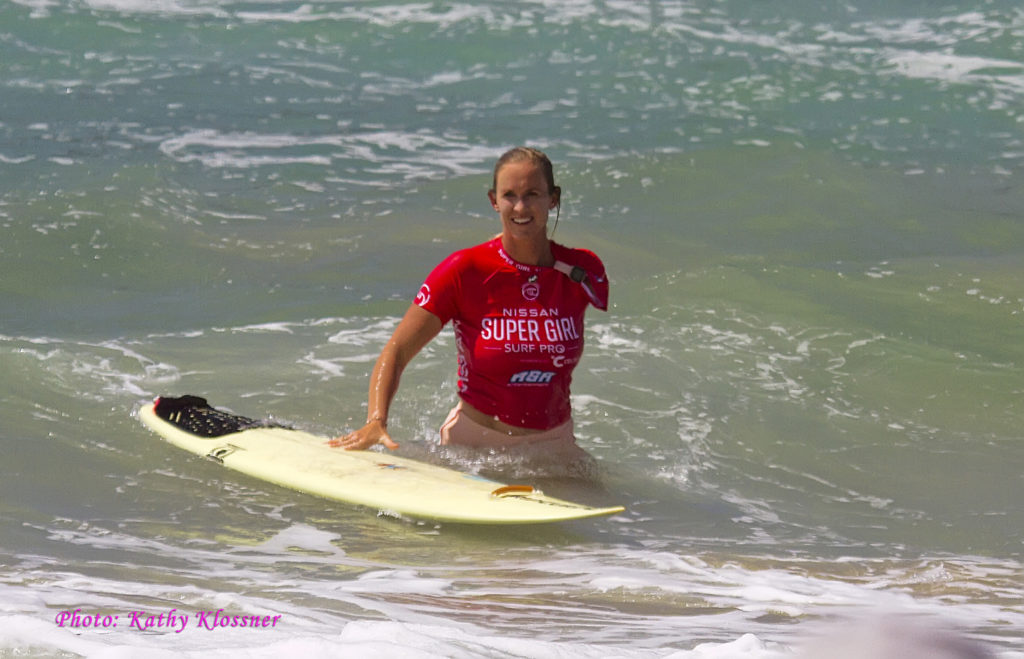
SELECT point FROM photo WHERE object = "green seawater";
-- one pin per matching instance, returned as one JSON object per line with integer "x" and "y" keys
{"x": 807, "y": 391}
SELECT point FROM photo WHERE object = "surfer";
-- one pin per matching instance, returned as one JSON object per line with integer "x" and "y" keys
{"x": 516, "y": 304}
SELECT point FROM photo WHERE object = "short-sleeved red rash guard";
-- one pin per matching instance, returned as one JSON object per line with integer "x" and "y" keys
{"x": 518, "y": 328}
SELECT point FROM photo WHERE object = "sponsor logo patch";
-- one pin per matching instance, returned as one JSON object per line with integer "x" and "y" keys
{"x": 423, "y": 296}
{"x": 532, "y": 377}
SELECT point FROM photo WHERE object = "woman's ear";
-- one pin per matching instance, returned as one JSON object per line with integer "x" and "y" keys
{"x": 493, "y": 199}
{"x": 556, "y": 196}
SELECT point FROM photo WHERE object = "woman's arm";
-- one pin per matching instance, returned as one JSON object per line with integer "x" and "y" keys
{"x": 417, "y": 328}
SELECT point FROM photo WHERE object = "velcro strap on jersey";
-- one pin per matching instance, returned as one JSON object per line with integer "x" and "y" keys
{"x": 579, "y": 275}
{"x": 573, "y": 272}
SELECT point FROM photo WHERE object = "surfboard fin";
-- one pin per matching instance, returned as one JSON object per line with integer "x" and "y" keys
{"x": 194, "y": 415}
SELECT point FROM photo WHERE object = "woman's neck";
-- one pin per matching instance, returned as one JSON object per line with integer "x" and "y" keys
{"x": 529, "y": 252}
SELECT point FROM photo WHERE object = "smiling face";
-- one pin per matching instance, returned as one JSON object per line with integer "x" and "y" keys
{"x": 523, "y": 198}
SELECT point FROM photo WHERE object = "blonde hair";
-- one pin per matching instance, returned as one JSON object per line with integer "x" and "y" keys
{"x": 527, "y": 154}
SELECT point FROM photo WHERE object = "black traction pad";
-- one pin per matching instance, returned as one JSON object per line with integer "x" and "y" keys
{"x": 194, "y": 415}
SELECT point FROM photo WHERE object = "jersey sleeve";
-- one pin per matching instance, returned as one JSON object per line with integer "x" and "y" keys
{"x": 440, "y": 292}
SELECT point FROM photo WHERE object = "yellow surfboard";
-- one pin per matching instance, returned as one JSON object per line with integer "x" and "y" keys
{"x": 385, "y": 482}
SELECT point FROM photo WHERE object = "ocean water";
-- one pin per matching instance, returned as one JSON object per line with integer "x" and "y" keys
{"x": 808, "y": 390}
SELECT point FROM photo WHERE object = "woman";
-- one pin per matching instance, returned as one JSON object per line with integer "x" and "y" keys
{"x": 516, "y": 304}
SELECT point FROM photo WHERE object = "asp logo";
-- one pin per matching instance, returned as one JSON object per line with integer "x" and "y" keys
{"x": 532, "y": 377}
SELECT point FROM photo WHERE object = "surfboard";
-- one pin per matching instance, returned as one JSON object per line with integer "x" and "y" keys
{"x": 389, "y": 483}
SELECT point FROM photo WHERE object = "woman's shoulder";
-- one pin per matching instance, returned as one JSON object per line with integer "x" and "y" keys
{"x": 475, "y": 253}
{"x": 578, "y": 256}
{"x": 469, "y": 258}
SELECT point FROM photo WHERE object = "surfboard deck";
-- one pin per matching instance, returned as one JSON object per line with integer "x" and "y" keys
{"x": 304, "y": 462}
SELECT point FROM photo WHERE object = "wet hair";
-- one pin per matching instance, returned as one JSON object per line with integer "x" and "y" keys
{"x": 527, "y": 154}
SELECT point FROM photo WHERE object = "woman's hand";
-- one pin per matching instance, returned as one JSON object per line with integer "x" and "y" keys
{"x": 416, "y": 329}
{"x": 374, "y": 432}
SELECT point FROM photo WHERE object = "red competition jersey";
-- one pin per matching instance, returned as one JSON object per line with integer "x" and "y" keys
{"x": 518, "y": 328}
